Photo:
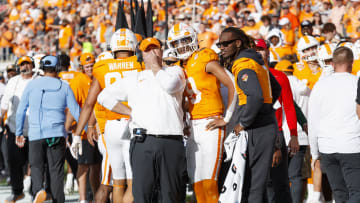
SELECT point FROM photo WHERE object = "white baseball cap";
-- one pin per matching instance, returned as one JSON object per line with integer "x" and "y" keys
{"x": 284, "y": 21}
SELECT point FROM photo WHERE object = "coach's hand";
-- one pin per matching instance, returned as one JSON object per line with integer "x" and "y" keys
{"x": 20, "y": 141}
{"x": 277, "y": 156}
{"x": 217, "y": 122}
{"x": 76, "y": 146}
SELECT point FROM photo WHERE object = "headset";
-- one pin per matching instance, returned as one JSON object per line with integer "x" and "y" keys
{"x": 50, "y": 62}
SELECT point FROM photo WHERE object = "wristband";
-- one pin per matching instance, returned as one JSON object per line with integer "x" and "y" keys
{"x": 228, "y": 116}
{"x": 90, "y": 126}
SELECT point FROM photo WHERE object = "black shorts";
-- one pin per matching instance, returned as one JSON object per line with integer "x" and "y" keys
{"x": 90, "y": 155}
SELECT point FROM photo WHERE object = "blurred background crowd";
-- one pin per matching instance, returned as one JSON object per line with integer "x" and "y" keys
{"x": 29, "y": 27}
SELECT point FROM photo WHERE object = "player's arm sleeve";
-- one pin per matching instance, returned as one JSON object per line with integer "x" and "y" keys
{"x": 21, "y": 111}
{"x": 254, "y": 96}
{"x": 275, "y": 88}
{"x": 172, "y": 79}
{"x": 111, "y": 95}
{"x": 288, "y": 106}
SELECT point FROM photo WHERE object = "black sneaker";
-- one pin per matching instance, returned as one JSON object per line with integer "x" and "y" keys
{"x": 13, "y": 198}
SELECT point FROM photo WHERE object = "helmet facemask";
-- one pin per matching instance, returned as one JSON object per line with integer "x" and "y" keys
{"x": 309, "y": 54}
{"x": 184, "y": 47}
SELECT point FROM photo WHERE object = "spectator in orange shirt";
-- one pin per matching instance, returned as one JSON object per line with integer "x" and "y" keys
{"x": 289, "y": 35}
{"x": 287, "y": 14}
{"x": 306, "y": 14}
{"x": 6, "y": 38}
{"x": 65, "y": 36}
{"x": 276, "y": 39}
{"x": 251, "y": 28}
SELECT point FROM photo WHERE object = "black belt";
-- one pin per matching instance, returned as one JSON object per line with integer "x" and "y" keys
{"x": 174, "y": 137}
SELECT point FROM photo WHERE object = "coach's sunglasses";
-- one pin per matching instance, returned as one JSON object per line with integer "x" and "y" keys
{"x": 225, "y": 43}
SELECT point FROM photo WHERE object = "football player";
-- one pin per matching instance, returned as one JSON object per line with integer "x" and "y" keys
{"x": 204, "y": 75}
{"x": 88, "y": 162}
{"x": 308, "y": 68}
{"x": 116, "y": 134}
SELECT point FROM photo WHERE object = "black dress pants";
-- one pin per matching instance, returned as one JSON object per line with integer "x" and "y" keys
{"x": 159, "y": 170}
{"x": 17, "y": 159}
{"x": 39, "y": 154}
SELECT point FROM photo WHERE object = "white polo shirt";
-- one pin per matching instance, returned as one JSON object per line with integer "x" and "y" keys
{"x": 334, "y": 126}
{"x": 155, "y": 100}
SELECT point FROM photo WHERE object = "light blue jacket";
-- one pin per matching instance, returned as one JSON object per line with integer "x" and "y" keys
{"x": 47, "y": 99}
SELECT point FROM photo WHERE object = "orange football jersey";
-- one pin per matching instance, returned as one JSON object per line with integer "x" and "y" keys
{"x": 313, "y": 78}
{"x": 100, "y": 114}
{"x": 262, "y": 74}
{"x": 202, "y": 89}
{"x": 68, "y": 75}
{"x": 302, "y": 71}
{"x": 80, "y": 86}
{"x": 109, "y": 70}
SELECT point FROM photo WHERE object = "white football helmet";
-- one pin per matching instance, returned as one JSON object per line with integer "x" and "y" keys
{"x": 123, "y": 40}
{"x": 307, "y": 48}
{"x": 104, "y": 55}
{"x": 352, "y": 47}
{"x": 325, "y": 52}
{"x": 275, "y": 33}
{"x": 182, "y": 38}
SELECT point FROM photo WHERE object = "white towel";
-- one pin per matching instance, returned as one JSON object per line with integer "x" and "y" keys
{"x": 231, "y": 192}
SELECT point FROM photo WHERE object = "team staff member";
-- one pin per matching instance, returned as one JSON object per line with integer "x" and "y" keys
{"x": 278, "y": 186}
{"x": 334, "y": 128}
{"x": 154, "y": 97}
{"x": 88, "y": 162}
{"x": 204, "y": 75}
{"x": 117, "y": 139}
{"x": 46, "y": 98}
{"x": 254, "y": 112}
{"x": 17, "y": 157}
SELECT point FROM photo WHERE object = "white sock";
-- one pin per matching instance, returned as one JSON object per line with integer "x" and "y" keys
{"x": 316, "y": 195}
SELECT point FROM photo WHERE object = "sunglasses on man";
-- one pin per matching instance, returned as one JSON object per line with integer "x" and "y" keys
{"x": 225, "y": 43}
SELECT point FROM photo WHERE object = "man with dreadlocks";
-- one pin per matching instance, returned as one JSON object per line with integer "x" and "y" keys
{"x": 253, "y": 112}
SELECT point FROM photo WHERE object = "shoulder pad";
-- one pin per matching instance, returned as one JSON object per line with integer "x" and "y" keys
{"x": 206, "y": 55}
